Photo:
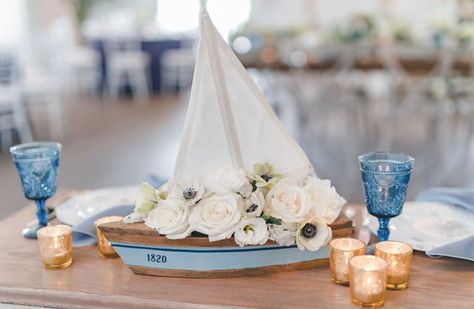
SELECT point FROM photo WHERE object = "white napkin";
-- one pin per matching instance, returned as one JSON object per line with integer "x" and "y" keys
{"x": 83, "y": 234}
{"x": 462, "y": 198}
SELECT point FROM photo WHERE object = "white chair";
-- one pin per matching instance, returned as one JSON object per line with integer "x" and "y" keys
{"x": 176, "y": 69}
{"x": 13, "y": 115}
{"x": 84, "y": 69}
{"x": 44, "y": 89}
{"x": 126, "y": 62}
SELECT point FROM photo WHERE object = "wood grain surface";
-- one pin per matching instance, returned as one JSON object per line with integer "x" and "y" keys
{"x": 95, "y": 282}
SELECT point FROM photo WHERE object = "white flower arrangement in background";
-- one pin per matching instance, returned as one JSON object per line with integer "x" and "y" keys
{"x": 253, "y": 208}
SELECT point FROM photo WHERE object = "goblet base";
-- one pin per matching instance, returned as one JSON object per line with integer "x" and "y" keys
{"x": 397, "y": 286}
{"x": 30, "y": 231}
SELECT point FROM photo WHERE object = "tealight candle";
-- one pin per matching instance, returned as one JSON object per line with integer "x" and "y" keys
{"x": 398, "y": 256}
{"x": 105, "y": 248}
{"x": 341, "y": 250}
{"x": 55, "y": 245}
{"x": 368, "y": 276}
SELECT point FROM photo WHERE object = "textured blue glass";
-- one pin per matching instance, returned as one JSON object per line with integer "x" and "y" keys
{"x": 385, "y": 177}
{"x": 37, "y": 165}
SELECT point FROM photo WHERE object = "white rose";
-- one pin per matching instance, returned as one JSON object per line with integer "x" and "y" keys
{"x": 284, "y": 234}
{"x": 254, "y": 204}
{"x": 228, "y": 180}
{"x": 170, "y": 218}
{"x": 324, "y": 200}
{"x": 252, "y": 231}
{"x": 216, "y": 216}
{"x": 287, "y": 202}
{"x": 312, "y": 234}
{"x": 190, "y": 192}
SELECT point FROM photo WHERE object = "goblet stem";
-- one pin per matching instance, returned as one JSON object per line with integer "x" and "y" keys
{"x": 41, "y": 212}
{"x": 383, "y": 232}
{"x": 42, "y": 215}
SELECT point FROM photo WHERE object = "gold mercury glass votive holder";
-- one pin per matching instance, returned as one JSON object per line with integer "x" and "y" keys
{"x": 341, "y": 250}
{"x": 55, "y": 244}
{"x": 368, "y": 277}
{"x": 398, "y": 256}
{"x": 105, "y": 248}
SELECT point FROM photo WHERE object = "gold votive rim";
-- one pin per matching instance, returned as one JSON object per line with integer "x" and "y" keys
{"x": 336, "y": 244}
{"x": 368, "y": 263}
{"x": 51, "y": 231}
{"x": 394, "y": 247}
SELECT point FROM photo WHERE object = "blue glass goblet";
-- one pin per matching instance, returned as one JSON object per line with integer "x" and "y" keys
{"x": 37, "y": 165}
{"x": 385, "y": 176}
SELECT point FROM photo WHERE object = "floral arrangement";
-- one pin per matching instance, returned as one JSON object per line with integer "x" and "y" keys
{"x": 254, "y": 208}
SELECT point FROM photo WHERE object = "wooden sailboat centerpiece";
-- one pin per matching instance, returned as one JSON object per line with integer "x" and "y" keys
{"x": 146, "y": 253}
{"x": 243, "y": 198}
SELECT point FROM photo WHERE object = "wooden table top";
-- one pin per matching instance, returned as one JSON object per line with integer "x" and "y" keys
{"x": 95, "y": 282}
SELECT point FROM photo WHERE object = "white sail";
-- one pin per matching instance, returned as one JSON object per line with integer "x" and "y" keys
{"x": 229, "y": 122}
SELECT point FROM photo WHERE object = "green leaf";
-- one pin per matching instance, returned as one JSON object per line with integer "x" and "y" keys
{"x": 271, "y": 220}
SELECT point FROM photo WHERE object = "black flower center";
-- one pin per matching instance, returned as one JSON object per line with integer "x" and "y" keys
{"x": 266, "y": 177}
{"x": 309, "y": 231}
{"x": 189, "y": 193}
{"x": 251, "y": 208}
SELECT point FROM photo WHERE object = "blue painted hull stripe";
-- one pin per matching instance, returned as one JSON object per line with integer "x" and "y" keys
{"x": 208, "y": 259}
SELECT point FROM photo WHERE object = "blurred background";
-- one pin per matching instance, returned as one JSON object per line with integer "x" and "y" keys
{"x": 110, "y": 80}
